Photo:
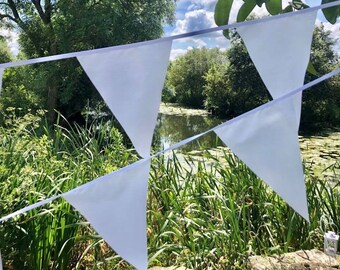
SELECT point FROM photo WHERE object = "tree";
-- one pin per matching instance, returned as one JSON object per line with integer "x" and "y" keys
{"x": 13, "y": 92}
{"x": 168, "y": 92}
{"x": 320, "y": 104}
{"x": 59, "y": 26}
{"x": 186, "y": 75}
{"x": 235, "y": 88}
{"x": 5, "y": 53}
{"x": 216, "y": 90}
{"x": 274, "y": 7}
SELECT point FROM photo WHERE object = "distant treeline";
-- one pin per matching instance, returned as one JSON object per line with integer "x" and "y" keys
{"x": 227, "y": 84}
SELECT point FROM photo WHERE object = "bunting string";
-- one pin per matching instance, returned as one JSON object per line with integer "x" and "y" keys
{"x": 183, "y": 142}
{"x": 265, "y": 138}
{"x": 170, "y": 38}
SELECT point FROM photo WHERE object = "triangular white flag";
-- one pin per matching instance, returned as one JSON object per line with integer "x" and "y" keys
{"x": 280, "y": 50}
{"x": 115, "y": 205}
{"x": 1, "y": 73}
{"x": 131, "y": 82}
{"x": 267, "y": 142}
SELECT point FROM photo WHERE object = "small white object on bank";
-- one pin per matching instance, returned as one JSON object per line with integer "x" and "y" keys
{"x": 331, "y": 243}
{"x": 0, "y": 261}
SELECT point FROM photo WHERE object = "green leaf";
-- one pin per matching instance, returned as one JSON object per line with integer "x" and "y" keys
{"x": 274, "y": 7}
{"x": 311, "y": 69}
{"x": 245, "y": 10}
{"x": 298, "y": 4}
{"x": 287, "y": 9}
{"x": 260, "y": 2}
{"x": 222, "y": 11}
{"x": 226, "y": 33}
{"x": 332, "y": 13}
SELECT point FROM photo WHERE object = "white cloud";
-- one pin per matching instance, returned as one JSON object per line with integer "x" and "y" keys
{"x": 334, "y": 33}
{"x": 200, "y": 43}
{"x": 202, "y": 4}
{"x": 333, "y": 28}
{"x": 195, "y": 20}
{"x": 190, "y": 5}
{"x": 222, "y": 42}
{"x": 193, "y": 15}
{"x": 12, "y": 40}
{"x": 257, "y": 11}
{"x": 176, "y": 53}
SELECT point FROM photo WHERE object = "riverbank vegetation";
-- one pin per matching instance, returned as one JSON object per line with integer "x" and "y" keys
{"x": 214, "y": 217}
{"x": 48, "y": 28}
{"x": 231, "y": 86}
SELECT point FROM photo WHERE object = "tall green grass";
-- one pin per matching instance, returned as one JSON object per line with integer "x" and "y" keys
{"x": 214, "y": 217}
{"x": 37, "y": 162}
{"x": 219, "y": 216}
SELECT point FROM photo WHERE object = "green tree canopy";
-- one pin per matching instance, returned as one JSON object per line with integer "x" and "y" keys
{"x": 5, "y": 53}
{"x": 320, "y": 104}
{"x": 186, "y": 75}
{"x": 237, "y": 87}
{"x": 59, "y": 26}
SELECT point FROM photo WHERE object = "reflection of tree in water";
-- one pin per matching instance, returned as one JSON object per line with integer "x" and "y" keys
{"x": 174, "y": 128}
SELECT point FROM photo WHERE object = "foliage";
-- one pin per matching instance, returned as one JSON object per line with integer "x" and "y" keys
{"x": 212, "y": 217}
{"x": 219, "y": 215}
{"x": 274, "y": 7}
{"x": 216, "y": 90}
{"x": 320, "y": 107}
{"x": 5, "y": 53}
{"x": 16, "y": 92}
{"x": 35, "y": 163}
{"x": 186, "y": 75}
{"x": 235, "y": 88}
{"x": 168, "y": 92}
{"x": 54, "y": 27}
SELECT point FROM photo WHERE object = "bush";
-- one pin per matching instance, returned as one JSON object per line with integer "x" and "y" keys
{"x": 186, "y": 75}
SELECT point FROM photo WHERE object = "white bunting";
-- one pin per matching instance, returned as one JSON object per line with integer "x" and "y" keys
{"x": 280, "y": 50}
{"x": 131, "y": 82}
{"x": 115, "y": 205}
{"x": 267, "y": 142}
{"x": 1, "y": 73}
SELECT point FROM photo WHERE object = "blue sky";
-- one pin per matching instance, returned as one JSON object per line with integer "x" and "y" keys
{"x": 192, "y": 15}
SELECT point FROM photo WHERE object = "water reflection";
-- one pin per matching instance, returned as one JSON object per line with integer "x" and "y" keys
{"x": 174, "y": 128}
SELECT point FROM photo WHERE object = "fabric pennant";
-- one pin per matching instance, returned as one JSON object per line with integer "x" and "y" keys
{"x": 115, "y": 205}
{"x": 267, "y": 142}
{"x": 131, "y": 82}
{"x": 1, "y": 73}
{"x": 280, "y": 50}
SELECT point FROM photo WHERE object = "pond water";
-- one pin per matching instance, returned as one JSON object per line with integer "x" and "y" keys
{"x": 176, "y": 124}
{"x": 172, "y": 128}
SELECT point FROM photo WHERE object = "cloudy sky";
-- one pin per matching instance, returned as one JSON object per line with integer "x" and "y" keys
{"x": 193, "y": 15}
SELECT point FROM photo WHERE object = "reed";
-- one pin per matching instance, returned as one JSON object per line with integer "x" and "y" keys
{"x": 218, "y": 216}
{"x": 214, "y": 217}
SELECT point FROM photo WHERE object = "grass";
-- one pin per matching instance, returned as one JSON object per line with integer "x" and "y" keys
{"x": 212, "y": 218}
{"x": 220, "y": 215}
